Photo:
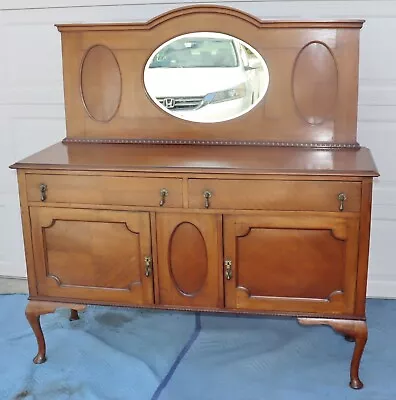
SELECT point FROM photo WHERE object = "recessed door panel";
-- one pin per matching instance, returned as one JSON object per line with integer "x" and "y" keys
{"x": 93, "y": 254}
{"x": 189, "y": 260}
{"x": 291, "y": 262}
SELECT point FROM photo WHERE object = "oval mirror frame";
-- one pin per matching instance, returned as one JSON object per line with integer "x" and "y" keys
{"x": 206, "y": 77}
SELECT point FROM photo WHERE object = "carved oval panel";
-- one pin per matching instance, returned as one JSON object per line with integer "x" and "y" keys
{"x": 101, "y": 84}
{"x": 188, "y": 261}
{"x": 315, "y": 83}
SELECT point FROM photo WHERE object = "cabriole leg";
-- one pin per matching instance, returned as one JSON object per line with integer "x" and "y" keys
{"x": 351, "y": 329}
{"x": 33, "y": 312}
{"x": 349, "y": 338}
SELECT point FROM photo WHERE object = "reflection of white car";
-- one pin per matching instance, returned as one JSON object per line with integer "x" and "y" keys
{"x": 206, "y": 77}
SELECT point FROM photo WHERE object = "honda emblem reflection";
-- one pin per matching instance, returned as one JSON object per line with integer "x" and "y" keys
{"x": 169, "y": 103}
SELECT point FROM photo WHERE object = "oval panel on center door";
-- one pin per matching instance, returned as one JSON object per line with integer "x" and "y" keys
{"x": 188, "y": 259}
{"x": 101, "y": 84}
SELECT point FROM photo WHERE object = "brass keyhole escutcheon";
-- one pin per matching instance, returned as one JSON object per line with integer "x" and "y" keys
{"x": 207, "y": 195}
{"x": 163, "y": 193}
{"x": 228, "y": 269}
{"x": 43, "y": 191}
{"x": 341, "y": 198}
{"x": 148, "y": 261}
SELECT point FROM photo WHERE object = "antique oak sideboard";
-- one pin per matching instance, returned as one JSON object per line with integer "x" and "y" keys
{"x": 167, "y": 193}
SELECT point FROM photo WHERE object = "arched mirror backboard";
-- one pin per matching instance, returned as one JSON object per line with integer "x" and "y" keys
{"x": 212, "y": 75}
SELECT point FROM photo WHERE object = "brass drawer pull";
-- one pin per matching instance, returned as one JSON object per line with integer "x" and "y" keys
{"x": 148, "y": 261}
{"x": 228, "y": 269}
{"x": 163, "y": 193}
{"x": 43, "y": 191}
{"x": 207, "y": 196}
{"x": 341, "y": 198}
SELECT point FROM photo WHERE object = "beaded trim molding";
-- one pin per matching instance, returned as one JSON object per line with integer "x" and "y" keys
{"x": 311, "y": 145}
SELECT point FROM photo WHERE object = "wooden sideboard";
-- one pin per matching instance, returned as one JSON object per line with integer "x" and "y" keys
{"x": 268, "y": 213}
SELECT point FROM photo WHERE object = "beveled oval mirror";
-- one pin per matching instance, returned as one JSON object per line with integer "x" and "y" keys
{"x": 206, "y": 77}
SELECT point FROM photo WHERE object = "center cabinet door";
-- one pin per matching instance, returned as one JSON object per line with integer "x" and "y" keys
{"x": 190, "y": 260}
{"x": 291, "y": 262}
{"x": 93, "y": 255}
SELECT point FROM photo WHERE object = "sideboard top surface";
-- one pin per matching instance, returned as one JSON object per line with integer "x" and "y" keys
{"x": 202, "y": 159}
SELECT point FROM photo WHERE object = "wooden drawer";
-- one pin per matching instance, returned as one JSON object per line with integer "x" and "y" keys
{"x": 83, "y": 189}
{"x": 274, "y": 195}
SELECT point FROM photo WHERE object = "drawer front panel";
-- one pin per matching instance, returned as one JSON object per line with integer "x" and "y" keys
{"x": 274, "y": 195}
{"x": 105, "y": 190}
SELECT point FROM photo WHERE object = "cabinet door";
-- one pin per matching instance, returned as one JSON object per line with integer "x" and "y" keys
{"x": 296, "y": 262}
{"x": 190, "y": 260}
{"x": 92, "y": 254}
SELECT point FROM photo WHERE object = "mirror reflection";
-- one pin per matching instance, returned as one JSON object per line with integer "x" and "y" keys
{"x": 206, "y": 77}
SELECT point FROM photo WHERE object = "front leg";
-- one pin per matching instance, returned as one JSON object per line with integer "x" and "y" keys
{"x": 33, "y": 312}
{"x": 74, "y": 315}
{"x": 349, "y": 328}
